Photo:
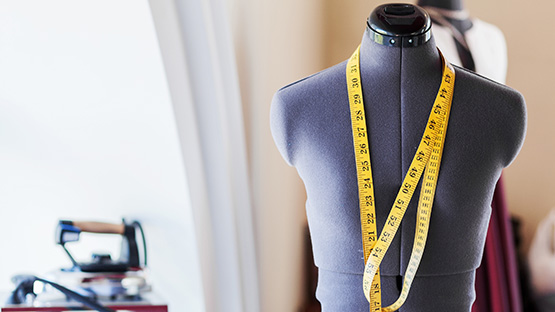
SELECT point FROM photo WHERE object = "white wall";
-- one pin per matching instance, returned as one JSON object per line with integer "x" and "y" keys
{"x": 87, "y": 132}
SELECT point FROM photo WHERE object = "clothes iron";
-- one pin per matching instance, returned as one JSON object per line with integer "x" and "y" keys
{"x": 104, "y": 278}
{"x": 103, "y": 284}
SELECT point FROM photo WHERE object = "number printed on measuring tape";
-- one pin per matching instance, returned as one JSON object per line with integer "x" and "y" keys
{"x": 426, "y": 161}
{"x": 364, "y": 175}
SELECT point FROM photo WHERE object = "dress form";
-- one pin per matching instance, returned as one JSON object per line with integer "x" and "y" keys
{"x": 311, "y": 127}
{"x": 451, "y": 15}
{"x": 462, "y": 24}
{"x": 485, "y": 41}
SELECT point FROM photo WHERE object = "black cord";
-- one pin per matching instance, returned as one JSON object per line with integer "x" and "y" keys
{"x": 136, "y": 224}
{"x": 77, "y": 297}
{"x": 25, "y": 287}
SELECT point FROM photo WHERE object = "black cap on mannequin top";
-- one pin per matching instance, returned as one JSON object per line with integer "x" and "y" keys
{"x": 443, "y": 4}
{"x": 399, "y": 25}
{"x": 456, "y": 6}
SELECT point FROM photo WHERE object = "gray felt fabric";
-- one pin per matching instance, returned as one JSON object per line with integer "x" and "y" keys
{"x": 311, "y": 126}
{"x": 341, "y": 292}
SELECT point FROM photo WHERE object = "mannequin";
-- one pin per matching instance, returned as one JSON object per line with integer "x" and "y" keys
{"x": 311, "y": 126}
{"x": 443, "y": 4}
{"x": 451, "y": 14}
{"x": 486, "y": 49}
{"x": 462, "y": 24}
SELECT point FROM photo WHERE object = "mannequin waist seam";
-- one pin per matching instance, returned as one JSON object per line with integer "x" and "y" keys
{"x": 392, "y": 275}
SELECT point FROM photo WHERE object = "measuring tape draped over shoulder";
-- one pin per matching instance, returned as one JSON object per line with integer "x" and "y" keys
{"x": 426, "y": 159}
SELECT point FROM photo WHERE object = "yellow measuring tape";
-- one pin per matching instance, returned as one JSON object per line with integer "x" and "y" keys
{"x": 427, "y": 157}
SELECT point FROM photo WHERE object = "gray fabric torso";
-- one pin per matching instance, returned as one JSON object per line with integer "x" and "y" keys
{"x": 311, "y": 126}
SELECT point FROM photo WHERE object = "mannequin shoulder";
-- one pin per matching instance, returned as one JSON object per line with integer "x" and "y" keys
{"x": 480, "y": 87}
{"x": 496, "y": 108}
{"x": 309, "y": 96}
{"x": 297, "y": 106}
{"x": 489, "y": 49}
{"x": 316, "y": 86}
{"x": 486, "y": 29}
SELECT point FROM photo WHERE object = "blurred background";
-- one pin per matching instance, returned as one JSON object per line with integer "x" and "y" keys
{"x": 94, "y": 125}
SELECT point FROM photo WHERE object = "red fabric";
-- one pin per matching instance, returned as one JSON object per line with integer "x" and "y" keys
{"x": 497, "y": 281}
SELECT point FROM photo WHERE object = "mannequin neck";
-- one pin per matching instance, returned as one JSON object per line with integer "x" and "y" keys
{"x": 424, "y": 58}
{"x": 443, "y": 4}
{"x": 381, "y": 55}
{"x": 399, "y": 25}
